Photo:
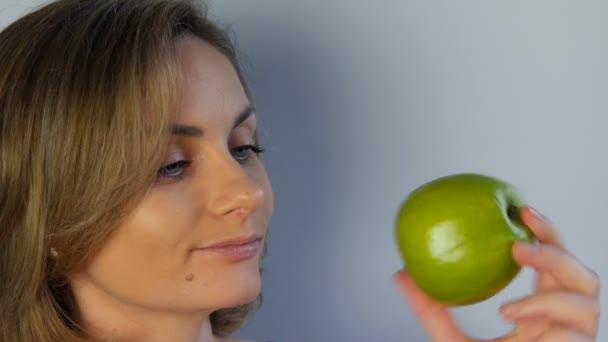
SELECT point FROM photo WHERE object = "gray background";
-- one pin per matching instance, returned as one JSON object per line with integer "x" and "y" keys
{"x": 361, "y": 101}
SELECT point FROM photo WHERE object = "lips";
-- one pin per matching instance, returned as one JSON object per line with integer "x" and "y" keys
{"x": 235, "y": 249}
{"x": 238, "y": 241}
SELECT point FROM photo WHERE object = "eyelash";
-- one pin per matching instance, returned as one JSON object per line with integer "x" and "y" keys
{"x": 164, "y": 174}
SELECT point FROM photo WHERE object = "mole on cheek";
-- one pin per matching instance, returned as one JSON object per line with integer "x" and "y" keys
{"x": 189, "y": 277}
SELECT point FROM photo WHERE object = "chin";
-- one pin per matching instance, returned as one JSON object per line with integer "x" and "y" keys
{"x": 240, "y": 285}
{"x": 247, "y": 286}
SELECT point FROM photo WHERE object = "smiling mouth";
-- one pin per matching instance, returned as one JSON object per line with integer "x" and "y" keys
{"x": 233, "y": 250}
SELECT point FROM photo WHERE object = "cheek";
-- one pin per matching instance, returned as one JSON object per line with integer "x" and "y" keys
{"x": 147, "y": 252}
{"x": 146, "y": 262}
{"x": 162, "y": 225}
{"x": 268, "y": 204}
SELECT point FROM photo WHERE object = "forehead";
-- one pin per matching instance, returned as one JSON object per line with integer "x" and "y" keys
{"x": 211, "y": 88}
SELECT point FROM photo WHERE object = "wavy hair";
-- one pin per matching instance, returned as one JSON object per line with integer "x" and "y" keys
{"x": 87, "y": 94}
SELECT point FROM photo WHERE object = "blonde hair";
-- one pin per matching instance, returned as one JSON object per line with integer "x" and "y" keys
{"x": 88, "y": 91}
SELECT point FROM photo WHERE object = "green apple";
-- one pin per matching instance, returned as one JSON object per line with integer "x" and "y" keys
{"x": 455, "y": 234}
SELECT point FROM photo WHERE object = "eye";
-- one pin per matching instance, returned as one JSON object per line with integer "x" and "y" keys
{"x": 174, "y": 170}
{"x": 243, "y": 153}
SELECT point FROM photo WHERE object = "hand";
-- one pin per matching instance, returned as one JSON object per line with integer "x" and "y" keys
{"x": 564, "y": 306}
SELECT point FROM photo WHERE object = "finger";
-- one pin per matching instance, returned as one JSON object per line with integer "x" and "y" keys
{"x": 546, "y": 282}
{"x": 434, "y": 317}
{"x": 561, "y": 335}
{"x": 542, "y": 228}
{"x": 571, "y": 310}
{"x": 528, "y": 330}
{"x": 565, "y": 268}
{"x": 546, "y": 232}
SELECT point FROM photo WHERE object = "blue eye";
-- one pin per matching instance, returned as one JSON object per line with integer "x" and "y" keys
{"x": 243, "y": 153}
{"x": 173, "y": 170}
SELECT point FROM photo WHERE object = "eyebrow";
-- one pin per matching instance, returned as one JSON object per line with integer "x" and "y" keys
{"x": 195, "y": 131}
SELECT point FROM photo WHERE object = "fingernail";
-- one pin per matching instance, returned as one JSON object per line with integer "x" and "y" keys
{"x": 537, "y": 214}
{"x": 398, "y": 273}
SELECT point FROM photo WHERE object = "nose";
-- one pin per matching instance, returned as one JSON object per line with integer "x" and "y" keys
{"x": 236, "y": 193}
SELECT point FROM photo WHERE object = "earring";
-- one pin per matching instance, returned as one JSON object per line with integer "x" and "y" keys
{"x": 54, "y": 253}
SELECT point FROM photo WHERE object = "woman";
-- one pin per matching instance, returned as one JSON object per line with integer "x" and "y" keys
{"x": 133, "y": 202}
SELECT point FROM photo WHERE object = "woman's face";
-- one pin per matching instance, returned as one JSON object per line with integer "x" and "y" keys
{"x": 212, "y": 191}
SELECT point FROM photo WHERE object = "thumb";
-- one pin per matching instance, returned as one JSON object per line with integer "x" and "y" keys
{"x": 434, "y": 317}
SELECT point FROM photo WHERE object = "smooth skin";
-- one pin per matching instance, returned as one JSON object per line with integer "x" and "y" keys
{"x": 563, "y": 308}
